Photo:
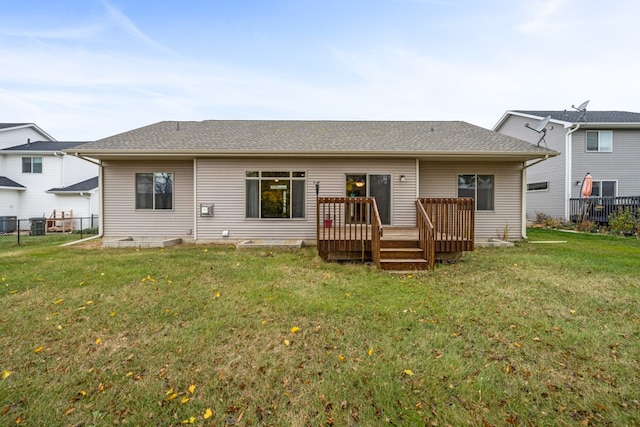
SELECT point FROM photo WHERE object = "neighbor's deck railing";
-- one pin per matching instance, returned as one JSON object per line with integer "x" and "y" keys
{"x": 426, "y": 233}
{"x": 453, "y": 221}
{"x": 599, "y": 209}
{"x": 342, "y": 225}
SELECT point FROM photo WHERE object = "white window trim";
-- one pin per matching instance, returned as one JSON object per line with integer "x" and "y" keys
{"x": 153, "y": 208}
{"x": 475, "y": 198}
{"x": 291, "y": 178}
{"x": 586, "y": 149}
{"x": 538, "y": 191}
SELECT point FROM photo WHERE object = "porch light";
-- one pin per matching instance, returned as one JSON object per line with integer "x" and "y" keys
{"x": 359, "y": 184}
{"x": 403, "y": 178}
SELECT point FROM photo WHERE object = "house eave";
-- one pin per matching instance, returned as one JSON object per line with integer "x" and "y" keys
{"x": 12, "y": 188}
{"x": 442, "y": 155}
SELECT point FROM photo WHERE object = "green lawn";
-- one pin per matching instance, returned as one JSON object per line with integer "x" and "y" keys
{"x": 539, "y": 334}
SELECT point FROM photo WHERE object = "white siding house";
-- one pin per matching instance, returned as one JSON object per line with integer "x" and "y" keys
{"x": 37, "y": 177}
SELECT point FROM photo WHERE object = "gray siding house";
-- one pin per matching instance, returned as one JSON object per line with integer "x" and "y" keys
{"x": 215, "y": 181}
{"x": 603, "y": 143}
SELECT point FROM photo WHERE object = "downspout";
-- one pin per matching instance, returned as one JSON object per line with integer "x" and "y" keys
{"x": 195, "y": 200}
{"x": 417, "y": 179}
{"x": 523, "y": 197}
{"x": 60, "y": 155}
{"x": 100, "y": 198}
{"x": 568, "y": 170}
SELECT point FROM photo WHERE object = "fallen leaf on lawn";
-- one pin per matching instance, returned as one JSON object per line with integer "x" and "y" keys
{"x": 191, "y": 420}
{"x": 208, "y": 413}
{"x": 89, "y": 302}
{"x": 69, "y": 410}
{"x": 537, "y": 339}
{"x": 173, "y": 396}
{"x": 19, "y": 419}
{"x": 572, "y": 311}
{"x": 98, "y": 341}
{"x": 287, "y": 343}
{"x": 170, "y": 391}
{"x": 192, "y": 388}
{"x": 408, "y": 372}
{"x": 294, "y": 329}
{"x": 437, "y": 356}
{"x": 58, "y": 301}
{"x": 370, "y": 352}
{"x": 38, "y": 349}
{"x": 112, "y": 313}
{"x": 82, "y": 392}
{"x": 516, "y": 344}
{"x": 184, "y": 400}
{"x": 341, "y": 358}
{"x": 5, "y": 374}
{"x": 217, "y": 294}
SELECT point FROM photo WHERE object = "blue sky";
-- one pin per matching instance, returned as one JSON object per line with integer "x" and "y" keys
{"x": 87, "y": 69}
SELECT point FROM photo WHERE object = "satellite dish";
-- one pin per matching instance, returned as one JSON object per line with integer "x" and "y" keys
{"x": 540, "y": 127}
{"x": 582, "y": 108}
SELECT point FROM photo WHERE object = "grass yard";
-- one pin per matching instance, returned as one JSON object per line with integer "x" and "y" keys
{"x": 539, "y": 334}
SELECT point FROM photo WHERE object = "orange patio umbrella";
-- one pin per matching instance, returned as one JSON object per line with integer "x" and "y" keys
{"x": 587, "y": 185}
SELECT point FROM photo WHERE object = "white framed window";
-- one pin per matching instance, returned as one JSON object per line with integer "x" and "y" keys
{"x": 604, "y": 189}
{"x": 538, "y": 186}
{"x": 599, "y": 141}
{"x": 279, "y": 194}
{"x": 481, "y": 188}
{"x": 32, "y": 165}
{"x": 154, "y": 190}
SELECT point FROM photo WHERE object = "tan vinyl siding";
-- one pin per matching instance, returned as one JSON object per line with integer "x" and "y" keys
{"x": 222, "y": 182}
{"x": 120, "y": 216}
{"x": 439, "y": 179}
{"x": 620, "y": 165}
{"x": 551, "y": 201}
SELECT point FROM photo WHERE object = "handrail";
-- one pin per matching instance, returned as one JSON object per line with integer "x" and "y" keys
{"x": 376, "y": 232}
{"x": 426, "y": 233}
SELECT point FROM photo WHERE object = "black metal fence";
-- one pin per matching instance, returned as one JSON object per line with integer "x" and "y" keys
{"x": 599, "y": 209}
{"x": 15, "y": 231}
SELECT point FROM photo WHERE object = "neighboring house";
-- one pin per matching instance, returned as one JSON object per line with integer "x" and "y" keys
{"x": 235, "y": 180}
{"x": 37, "y": 177}
{"x": 603, "y": 143}
{"x": 20, "y": 133}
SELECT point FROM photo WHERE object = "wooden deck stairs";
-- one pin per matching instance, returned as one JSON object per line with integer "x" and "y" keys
{"x": 444, "y": 230}
{"x": 400, "y": 250}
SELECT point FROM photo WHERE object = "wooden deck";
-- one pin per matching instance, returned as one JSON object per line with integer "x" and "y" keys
{"x": 394, "y": 248}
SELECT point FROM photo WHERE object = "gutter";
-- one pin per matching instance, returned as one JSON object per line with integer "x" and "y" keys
{"x": 568, "y": 169}
{"x": 523, "y": 197}
{"x": 100, "y": 195}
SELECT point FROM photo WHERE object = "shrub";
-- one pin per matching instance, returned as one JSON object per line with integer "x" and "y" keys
{"x": 624, "y": 221}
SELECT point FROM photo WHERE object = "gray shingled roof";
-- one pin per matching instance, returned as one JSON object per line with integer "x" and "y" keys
{"x": 254, "y": 137}
{"x": 589, "y": 117}
{"x": 45, "y": 146}
{"x": 86, "y": 185}
{"x": 6, "y": 182}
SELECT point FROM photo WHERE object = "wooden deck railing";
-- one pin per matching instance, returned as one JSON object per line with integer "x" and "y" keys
{"x": 453, "y": 221}
{"x": 343, "y": 226}
{"x": 426, "y": 233}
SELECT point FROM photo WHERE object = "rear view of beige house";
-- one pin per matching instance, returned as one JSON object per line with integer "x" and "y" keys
{"x": 230, "y": 181}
